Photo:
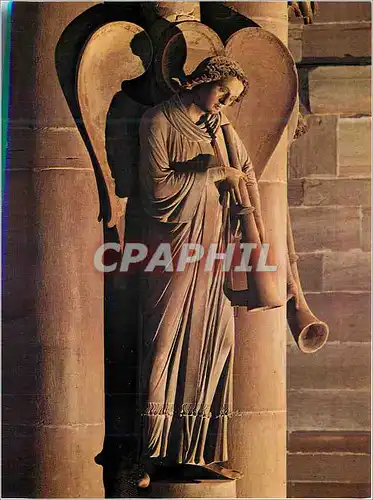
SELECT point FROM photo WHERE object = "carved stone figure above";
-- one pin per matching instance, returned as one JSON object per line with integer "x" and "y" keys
{"x": 307, "y": 10}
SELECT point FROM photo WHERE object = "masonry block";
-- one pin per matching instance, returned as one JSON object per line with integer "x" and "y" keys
{"x": 295, "y": 192}
{"x": 340, "y": 90}
{"x": 347, "y": 271}
{"x": 329, "y": 467}
{"x": 347, "y": 314}
{"x": 366, "y": 230}
{"x": 347, "y": 192}
{"x": 295, "y": 41}
{"x": 354, "y": 146}
{"x": 325, "y": 228}
{"x": 335, "y": 366}
{"x": 346, "y": 11}
{"x": 328, "y": 410}
{"x": 316, "y": 151}
{"x": 312, "y": 489}
{"x": 336, "y": 41}
{"x": 310, "y": 271}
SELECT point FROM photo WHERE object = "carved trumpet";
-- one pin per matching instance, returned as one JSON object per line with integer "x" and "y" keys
{"x": 309, "y": 332}
{"x": 261, "y": 289}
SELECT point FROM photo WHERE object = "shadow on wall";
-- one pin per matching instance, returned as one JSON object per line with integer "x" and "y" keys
{"x": 22, "y": 249}
{"x": 223, "y": 19}
{"x": 119, "y": 304}
{"x": 120, "y": 293}
{"x": 21, "y": 353}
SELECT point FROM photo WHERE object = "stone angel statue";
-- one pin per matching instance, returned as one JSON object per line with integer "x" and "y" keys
{"x": 179, "y": 147}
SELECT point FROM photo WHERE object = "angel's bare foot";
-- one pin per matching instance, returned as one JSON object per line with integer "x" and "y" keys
{"x": 138, "y": 476}
{"x": 143, "y": 481}
{"x": 148, "y": 471}
{"x": 225, "y": 472}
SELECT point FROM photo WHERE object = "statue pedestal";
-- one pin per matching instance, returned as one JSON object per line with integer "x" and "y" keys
{"x": 206, "y": 488}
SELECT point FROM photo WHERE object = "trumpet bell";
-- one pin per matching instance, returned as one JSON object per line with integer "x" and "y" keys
{"x": 309, "y": 332}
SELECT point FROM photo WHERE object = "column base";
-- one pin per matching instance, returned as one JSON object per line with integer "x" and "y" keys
{"x": 206, "y": 488}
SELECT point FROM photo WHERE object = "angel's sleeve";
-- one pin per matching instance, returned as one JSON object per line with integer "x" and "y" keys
{"x": 167, "y": 195}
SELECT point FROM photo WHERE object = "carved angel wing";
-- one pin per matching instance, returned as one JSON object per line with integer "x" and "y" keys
{"x": 118, "y": 51}
{"x": 183, "y": 46}
{"x": 261, "y": 117}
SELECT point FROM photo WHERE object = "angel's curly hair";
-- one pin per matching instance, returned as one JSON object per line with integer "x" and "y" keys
{"x": 213, "y": 69}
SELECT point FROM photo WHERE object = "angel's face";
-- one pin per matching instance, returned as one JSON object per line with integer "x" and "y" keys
{"x": 213, "y": 97}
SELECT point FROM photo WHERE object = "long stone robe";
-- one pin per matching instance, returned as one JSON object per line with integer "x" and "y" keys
{"x": 187, "y": 324}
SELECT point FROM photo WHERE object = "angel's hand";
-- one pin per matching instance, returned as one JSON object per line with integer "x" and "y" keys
{"x": 233, "y": 178}
{"x": 118, "y": 210}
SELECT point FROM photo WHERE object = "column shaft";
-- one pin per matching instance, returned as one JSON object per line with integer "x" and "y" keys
{"x": 54, "y": 418}
{"x": 258, "y": 429}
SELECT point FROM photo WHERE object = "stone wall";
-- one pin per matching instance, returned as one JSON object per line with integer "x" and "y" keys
{"x": 329, "y": 196}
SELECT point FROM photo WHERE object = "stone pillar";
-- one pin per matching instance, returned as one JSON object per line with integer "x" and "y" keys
{"x": 273, "y": 18}
{"x": 258, "y": 428}
{"x": 53, "y": 309}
